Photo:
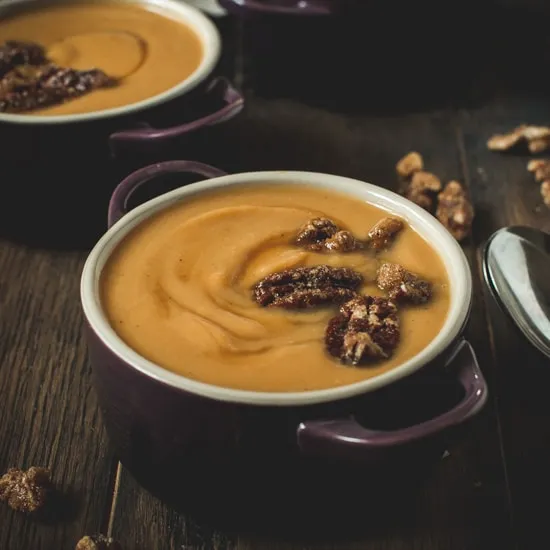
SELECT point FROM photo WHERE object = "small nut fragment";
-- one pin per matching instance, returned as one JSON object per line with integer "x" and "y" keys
{"x": 366, "y": 328}
{"x": 455, "y": 211}
{"x": 323, "y": 234}
{"x": 342, "y": 241}
{"x": 25, "y": 491}
{"x": 537, "y": 138}
{"x": 541, "y": 169}
{"x": 426, "y": 181}
{"x": 305, "y": 287}
{"x": 97, "y": 542}
{"x": 545, "y": 192}
{"x": 383, "y": 232}
{"x": 409, "y": 164}
{"x": 402, "y": 285}
{"x": 421, "y": 198}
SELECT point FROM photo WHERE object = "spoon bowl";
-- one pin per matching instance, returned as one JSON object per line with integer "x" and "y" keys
{"x": 516, "y": 268}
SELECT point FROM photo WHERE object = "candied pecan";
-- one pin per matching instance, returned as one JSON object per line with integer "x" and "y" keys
{"x": 342, "y": 241}
{"x": 25, "y": 491}
{"x": 97, "y": 542}
{"x": 323, "y": 234}
{"x": 305, "y": 287}
{"x": 14, "y": 53}
{"x": 366, "y": 328}
{"x": 545, "y": 192}
{"x": 425, "y": 181}
{"x": 540, "y": 168}
{"x": 402, "y": 285}
{"x": 314, "y": 232}
{"x": 537, "y": 139}
{"x": 383, "y": 232}
{"x": 455, "y": 211}
{"x": 26, "y": 89}
{"x": 409, "y": 164}
{"x": 421, "y": 198}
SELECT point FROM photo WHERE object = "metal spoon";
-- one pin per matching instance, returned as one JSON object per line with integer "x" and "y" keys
{"x": 516, "y": 268}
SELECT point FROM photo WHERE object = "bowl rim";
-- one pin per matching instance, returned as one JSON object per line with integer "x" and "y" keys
{"x": 450, "y": 252}
{"x": 206, "y": 31}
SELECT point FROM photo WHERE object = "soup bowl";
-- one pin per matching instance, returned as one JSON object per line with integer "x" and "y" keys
{"x": 157, "y": 419}
{"x": 110, "y": 142}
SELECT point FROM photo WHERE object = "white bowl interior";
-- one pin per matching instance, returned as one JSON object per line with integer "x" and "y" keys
{"x": 174, "y": 9}
{"x": 424, "y": 223}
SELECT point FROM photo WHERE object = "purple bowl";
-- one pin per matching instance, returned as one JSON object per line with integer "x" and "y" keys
{"x": 157, "y": 419}
{"x": 109, "y": 143}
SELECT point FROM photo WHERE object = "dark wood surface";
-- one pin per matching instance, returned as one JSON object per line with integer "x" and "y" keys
{"x": 490, "y": 486}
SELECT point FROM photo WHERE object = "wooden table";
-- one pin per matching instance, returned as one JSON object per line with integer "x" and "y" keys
{"x": 491, "y": 486}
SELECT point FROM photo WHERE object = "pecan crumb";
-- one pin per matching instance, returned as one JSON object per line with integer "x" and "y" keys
{"x": 323, "y": 234}
{"x": 537, "y": 139}
{"x": 305, "y": 287}
{"x": 455, "y": 211}
{"x": 422, "y": 188}
{"x": 540, "y": 168}
{"x": 412, "y": 162}
{"x": 25, "y": 491}
{"x": 401, "y": 284}
{"x": 14, "y": 53}
{"x": 383, "y": 232}
{"x": 97, "y": 542}
{"x": 545, "y": 192}
{"x": 366, "y": 328}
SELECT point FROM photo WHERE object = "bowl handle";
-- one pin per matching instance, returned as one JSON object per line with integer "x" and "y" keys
{"x": 118, "y": 205}
{"x": 218, "y": 88}
{"x": 285, "y": 7}
{"x": 347, "y": 438}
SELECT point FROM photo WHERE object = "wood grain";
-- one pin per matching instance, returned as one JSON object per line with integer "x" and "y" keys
{"x": 506, "y": 194}
{"x": 48, "y": 409}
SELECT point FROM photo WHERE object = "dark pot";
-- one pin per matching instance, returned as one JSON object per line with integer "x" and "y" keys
{"x": 83, "y": 156}
{"x": 167, "y": 428}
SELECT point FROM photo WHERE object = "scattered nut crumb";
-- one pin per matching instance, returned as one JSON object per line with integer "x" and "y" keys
{"x": 537, "y": 139}
{"x": 455, "y": 211}
{"x": 25, "y": 491}
{"x": 540, "y": 168}
{"x": 383, "y": 232}
{"x": 545, "y": 192}
{"x": 426, "y": 181}
{"x": 366, "y": 328}
{"x": 412, "y": 162}
{"x": 97, "y": 542}
{"x": 402, "y": 285}
{"x": 421, "y": 198}
{"x": 305, "y": 287}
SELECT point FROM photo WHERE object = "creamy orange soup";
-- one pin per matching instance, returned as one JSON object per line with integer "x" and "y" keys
{"x": 149, "y": 51}
{"x": 177, "y": 289}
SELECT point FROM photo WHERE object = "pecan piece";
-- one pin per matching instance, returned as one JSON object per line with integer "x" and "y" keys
{"x": 383, "y": 232}
{"x": 28, "y": 88}
{"x": 305, "y": 287}
{"x": 545, "y": 192}
{"x": 455, "y": 211}
{"x": 365, "y": 329}
{"x": 537, "y": 139}
{"x": 540, "y": 168}
{"x": 421, "y": 189}
{"x": 421, "y": 198}
{"x": 14, "y": 53}
{"x": 409, "y": 164}
{"x": 402, "y": 285}
{"x": 25, "y": 491}
{"x": 323, "y": 234}
{"x": 97, "y": 542}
